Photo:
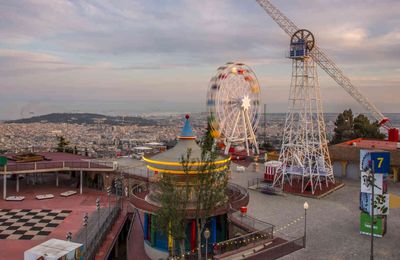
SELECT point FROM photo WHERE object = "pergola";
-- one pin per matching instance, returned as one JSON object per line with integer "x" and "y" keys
{"x": 55, "y": 163}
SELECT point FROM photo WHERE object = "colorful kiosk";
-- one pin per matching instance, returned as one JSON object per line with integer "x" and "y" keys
{"x": 169, "y": 162}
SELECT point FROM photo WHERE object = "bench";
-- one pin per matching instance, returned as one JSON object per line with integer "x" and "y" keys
{"x": 44, "y": 196}
{"x": 15, "y": 198}
{"x": 68, "y": 193}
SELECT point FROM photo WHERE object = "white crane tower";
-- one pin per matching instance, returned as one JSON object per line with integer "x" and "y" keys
{"x": 304, "y": 148}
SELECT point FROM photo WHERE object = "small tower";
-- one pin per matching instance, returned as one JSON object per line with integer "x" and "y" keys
{"x": 304, "y": 151}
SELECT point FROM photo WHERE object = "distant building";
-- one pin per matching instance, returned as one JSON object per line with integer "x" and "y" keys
{"x": 346, "y": 157}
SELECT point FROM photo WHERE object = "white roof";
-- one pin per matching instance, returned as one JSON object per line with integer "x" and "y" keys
{"x": 155, "y": 144}
{"x": 142, "y": 148}
{"x": 273, "y": 163}
{"x": 52, "y": 249}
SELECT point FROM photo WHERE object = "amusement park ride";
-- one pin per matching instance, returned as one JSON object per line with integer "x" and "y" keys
{"x": 233, "y": 105}
{"x": 304, "y": 149}
{"x": 233, "y": 102}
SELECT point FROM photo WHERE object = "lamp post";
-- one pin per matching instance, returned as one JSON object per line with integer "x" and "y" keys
{"x": 116, "y": 191}
{"x": 69, "y": 236}
{"x": 85, "y": 224}
{"x": 305, "y": 206}
{"x": 206, "y": 236}
{"x": 98, "y": 212}
{"x": 109, "y": 194}
{"x": 372, "y": 173}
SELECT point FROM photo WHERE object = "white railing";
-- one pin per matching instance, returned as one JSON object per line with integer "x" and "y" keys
{"x": 59, "y": 165}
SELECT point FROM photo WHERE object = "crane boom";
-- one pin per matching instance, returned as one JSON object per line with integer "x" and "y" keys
{"x": 333, "y": 70}
{"x": 285, "y": 23}
{"x": 324, "y": 61}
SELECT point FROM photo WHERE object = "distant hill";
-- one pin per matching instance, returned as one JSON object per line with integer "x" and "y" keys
{"x": 85, "y": 118}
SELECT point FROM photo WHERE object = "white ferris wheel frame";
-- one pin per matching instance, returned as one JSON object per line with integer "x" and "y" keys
{"x": 234, "y": 95}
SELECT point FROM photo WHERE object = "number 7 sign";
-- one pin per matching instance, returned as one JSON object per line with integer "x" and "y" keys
{"x": 381, "y": 162}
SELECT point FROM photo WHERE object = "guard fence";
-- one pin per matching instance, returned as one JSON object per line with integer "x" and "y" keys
{"x": 98, "y": 225}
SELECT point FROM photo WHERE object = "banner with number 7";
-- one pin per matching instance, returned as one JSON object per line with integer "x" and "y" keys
{"x": 381, "y": 162}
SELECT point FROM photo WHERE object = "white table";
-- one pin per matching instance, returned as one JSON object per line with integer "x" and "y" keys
{"x": 15, "y": 198}
{"x": 44, "y": 196}
{"x": 68, "y": 193}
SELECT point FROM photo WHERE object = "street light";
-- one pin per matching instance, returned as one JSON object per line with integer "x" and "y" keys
{"x": 109, "y": 194}
{"x": 206, "y": 236}
{"x": 98, "y": 212}
{"x": 305, "y": 206}
{"x": 85, "y": 224}
{"x": 372, "y": 183}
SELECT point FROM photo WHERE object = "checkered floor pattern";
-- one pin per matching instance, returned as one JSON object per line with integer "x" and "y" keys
{"x": 29, "y": 224}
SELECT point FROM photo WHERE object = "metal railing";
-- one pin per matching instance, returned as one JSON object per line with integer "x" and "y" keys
{"x": 249, "y": 240}
{"x": 237, "y": 194}
{"x": 250, "y": 222}
{"x": 92, "y": 236}
{"x": 261, "y": 233}
{"x": 281, "y": 249}
{"x": 63, "y": 165}
{"x": 254, "y": 182}
{"x": 138, "y": 172}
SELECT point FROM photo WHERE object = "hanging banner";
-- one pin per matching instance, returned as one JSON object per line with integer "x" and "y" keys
{"x": 365, "y": 160}
{"x": 379, "y": 225}
{"x": 366, "y": 186}
{"x": 381, "y": 203}
{"x": 381, "y": 162}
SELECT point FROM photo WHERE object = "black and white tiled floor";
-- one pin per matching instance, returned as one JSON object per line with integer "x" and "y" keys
{"x": 29, "y": 224}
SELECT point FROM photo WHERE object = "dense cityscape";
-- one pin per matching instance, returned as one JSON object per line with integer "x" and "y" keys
{"x": 108, "y": 140}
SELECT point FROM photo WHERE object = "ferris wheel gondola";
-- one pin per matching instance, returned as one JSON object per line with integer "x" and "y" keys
{"x": 233, "y": 103}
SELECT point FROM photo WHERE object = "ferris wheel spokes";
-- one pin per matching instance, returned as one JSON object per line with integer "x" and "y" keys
{"x": 233, "y": 104}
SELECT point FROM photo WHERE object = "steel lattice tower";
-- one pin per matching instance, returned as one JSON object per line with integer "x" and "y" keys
{"x": 304, "y": 151}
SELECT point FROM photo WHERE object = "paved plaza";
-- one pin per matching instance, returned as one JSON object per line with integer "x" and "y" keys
{"x": 27, "y": 224}
{"x": 332, "y": 222}
{"x": 64, "y": 214}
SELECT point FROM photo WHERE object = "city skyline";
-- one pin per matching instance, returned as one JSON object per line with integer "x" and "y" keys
{"x": 140, "y": 56}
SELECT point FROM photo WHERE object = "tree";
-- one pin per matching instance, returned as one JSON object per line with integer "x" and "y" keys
{"x": 267, "y": 146}
{"x": 207, "y": 189}
{"x": 348, "y": 127}
{"x": 364, "y": 128}
{"x": 210, "y": 185}
{"x": 171, "y": 216}
{"x": 344, "y": 127}
{"x": 62, "y": 144}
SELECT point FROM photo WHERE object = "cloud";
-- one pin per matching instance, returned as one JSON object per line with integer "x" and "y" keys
{"x": 84, "y": 48}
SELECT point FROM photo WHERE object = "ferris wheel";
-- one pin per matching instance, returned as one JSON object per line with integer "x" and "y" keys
{"x": 233, "y": 102}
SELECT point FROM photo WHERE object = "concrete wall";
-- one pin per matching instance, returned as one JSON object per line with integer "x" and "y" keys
{"x": 154, "y": 253}
{"x": 337, "y": 169}
{"x": 353, "y": 171}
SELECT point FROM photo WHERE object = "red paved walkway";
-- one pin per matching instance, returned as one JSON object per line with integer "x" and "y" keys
{"x": 79, "y": 204}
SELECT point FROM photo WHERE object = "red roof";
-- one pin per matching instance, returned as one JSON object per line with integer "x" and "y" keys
{"x": 371, "y": 144}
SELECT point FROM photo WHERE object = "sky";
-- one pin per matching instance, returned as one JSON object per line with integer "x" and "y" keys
{"x": 137, "y": 56}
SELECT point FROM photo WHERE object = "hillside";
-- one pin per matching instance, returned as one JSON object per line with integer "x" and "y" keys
{"x": 84, "y": 118}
